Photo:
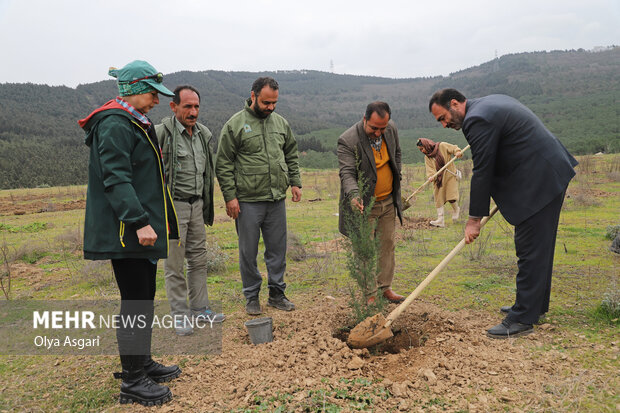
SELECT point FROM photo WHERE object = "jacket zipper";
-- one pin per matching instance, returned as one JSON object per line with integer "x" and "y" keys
{"x": 163, "y": 189}
{"x": 263, "y": 121}
{"x": 121, "y": 233}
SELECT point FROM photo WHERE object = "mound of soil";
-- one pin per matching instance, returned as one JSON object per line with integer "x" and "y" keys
{"x": 436, "y": 356}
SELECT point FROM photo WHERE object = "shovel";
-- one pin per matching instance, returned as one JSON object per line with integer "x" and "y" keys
{"x": 376, "y": 329}
{"x": 406, "y": 203}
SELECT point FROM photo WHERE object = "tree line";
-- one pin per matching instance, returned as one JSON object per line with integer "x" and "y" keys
{"x": 574, "y": 92}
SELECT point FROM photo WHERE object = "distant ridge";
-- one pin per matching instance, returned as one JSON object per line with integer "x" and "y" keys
{"x": 575, "y": 92}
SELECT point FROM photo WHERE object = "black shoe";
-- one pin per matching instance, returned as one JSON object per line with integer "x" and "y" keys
{"x": 505, "y": 309}
{"x": 280, "y": 302}
{"x": 160, "y": 373}
{"x": 509, "y": 328}
{"x": 252, "y": 307}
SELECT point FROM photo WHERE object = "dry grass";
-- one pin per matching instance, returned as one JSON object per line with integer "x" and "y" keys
{"x": 295, "y": 249}
{"x": 71, "y": 240}
{"x": 573, "y": 360}
{"x": 98, "y": 273}
{"x": 217, "y": 259}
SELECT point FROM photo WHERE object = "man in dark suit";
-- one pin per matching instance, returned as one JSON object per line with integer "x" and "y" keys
{"x": 526, "y": 170}
{"x": 373, "y": 143}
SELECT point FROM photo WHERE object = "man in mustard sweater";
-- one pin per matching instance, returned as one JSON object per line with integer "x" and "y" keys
{"x": 373, "y": 144}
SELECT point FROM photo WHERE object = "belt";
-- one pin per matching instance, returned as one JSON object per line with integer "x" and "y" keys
{"x": 189, "y": 200}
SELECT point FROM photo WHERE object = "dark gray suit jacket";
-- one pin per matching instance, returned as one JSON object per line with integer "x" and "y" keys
{"x": 353, "y": 145}
{"x": 517, "y": 161}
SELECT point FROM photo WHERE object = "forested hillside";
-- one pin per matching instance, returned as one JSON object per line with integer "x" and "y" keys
{"x": 574, "y": 92}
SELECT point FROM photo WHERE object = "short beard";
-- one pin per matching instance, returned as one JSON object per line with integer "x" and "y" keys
{"x": 457, "y": 120}
{"x": 261, "y": 114}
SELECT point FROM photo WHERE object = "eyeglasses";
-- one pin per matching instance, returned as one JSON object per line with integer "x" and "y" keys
{"x": 158, "y": 77}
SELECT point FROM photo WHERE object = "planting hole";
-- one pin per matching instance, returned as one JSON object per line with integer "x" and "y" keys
{"x": 403, "y": 339}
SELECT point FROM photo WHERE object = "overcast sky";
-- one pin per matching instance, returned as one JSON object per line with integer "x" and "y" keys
{"x": 68, "y": 42}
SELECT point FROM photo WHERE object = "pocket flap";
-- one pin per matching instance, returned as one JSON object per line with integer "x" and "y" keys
{"x": 255, "y": 170}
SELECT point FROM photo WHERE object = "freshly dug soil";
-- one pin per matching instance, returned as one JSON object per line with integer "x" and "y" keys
{"x": 436, "y": 359}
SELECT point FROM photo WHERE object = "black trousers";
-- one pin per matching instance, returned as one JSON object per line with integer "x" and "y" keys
{"x": 136, "y": 281}
{"x": 535, "y": 246}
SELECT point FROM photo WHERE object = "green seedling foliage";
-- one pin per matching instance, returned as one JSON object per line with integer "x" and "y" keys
{"x": 362, "y": 248}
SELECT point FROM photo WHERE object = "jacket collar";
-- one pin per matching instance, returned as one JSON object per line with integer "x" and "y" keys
{"x": 180, "y": 128}
{"x": 365, "y": 144}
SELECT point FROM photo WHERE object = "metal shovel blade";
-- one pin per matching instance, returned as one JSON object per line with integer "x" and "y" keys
{"x": 369, "y": 332}
{"x": 405, "y": 203}
{"x": 376, "y": 329}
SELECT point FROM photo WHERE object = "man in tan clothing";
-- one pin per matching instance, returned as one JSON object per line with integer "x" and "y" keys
{"x": 446, "y": 188}
{"x": 372, "y": 145}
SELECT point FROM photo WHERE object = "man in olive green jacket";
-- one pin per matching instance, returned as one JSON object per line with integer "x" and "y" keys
{"x": 257, "y": 160}
{"x": 188, "y": 161}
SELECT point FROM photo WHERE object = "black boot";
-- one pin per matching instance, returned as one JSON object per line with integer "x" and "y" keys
{"x": 156, "y": 371}
{"x": 137, "y": 386}
{"x": 160, "y": 373}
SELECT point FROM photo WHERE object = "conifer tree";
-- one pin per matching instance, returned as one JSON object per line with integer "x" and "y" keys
{"x": 362, "y": 249}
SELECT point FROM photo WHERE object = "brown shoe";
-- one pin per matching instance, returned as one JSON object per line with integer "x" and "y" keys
{"x": 392, "y": 297}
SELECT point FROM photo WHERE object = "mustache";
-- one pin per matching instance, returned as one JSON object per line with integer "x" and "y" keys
{"x": 191, "y": 117}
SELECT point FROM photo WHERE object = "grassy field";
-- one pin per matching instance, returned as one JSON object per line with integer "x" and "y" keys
{"x": 40, "y": 238}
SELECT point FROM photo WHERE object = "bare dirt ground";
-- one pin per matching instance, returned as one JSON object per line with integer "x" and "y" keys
{"x": 438, "y": 360}
{"x": 575, "y": 191}
{"x": 34, "y": 277}
{"x": 33, "y": 204}
{"x": 37, "y": 203}
{"x": 417, "y": 223}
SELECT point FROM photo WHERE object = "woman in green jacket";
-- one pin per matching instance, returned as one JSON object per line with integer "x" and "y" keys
{"x": 130, "y": 218}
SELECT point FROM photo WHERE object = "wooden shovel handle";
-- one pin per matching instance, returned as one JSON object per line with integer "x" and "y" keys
{"x": 435, "y": 175}
{"x": 398, "y": 310}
